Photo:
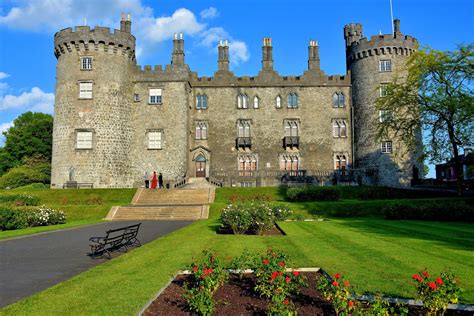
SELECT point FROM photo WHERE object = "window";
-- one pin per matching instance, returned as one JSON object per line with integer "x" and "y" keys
{"x": 340, "y": 162}
{"x": 386, "y": 147}
{"x": 256, "y": 102}
{"x": 247, "y": 165}
{"x": 384, "y": 115}
{"x": 383, "y": 89}
{"x": 385, "y": 65}
{"x": 242, "y": 101}
{"x": 278, "y": 102}
{"x": 289, "y": 163}
{"x": 244, "y": 128}
{"x": 339, "y": 128}
{"x": 86, "y": 63}
{"x": 136, "y": 97}
{"x": 201, "y": 102}
{"x": 246, "y": 184}
{"x": 155, "y": 96}
{"x": 201, "y": 130}
{"x": 291, "y": 128}
{"x": 85, "y": 90}
{"x": 84, "y": 140}
{"x": 292, "y": 101}
{"x": 154, "y": 139}
{"x": 338, "y": 100}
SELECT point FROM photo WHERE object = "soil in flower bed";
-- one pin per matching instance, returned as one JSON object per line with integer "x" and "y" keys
{"x": 275, "y": 231}
{"x": 238, "y": 297}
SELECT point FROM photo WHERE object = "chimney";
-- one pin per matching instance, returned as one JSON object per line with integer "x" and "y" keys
{"x": 128, "y": 24}
{"x": 122, "y": 23}
{"x": 313, "y": 55}
{"x": 267, "y": 54}
{"x": 396, "y": 27}
{"x": 178, "y": 50}
{"x": 223, "y": 61}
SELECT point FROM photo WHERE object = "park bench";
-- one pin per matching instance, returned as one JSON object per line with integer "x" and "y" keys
{"x": 77, "y": 185}
{"x": 115, "y": 239}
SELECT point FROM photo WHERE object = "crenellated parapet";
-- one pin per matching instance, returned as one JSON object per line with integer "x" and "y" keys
{"x": 84, "y": 39}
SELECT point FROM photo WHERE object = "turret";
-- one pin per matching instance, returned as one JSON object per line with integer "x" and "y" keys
{"x": 178, "y": 50}
{"x": 352, "y": 33}
{"x": 267, "y": 54}
{"x": 223, "y": 59}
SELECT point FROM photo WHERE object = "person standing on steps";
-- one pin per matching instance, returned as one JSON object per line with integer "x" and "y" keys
{"x": 160, "y": 181}
{"x": 147, "y": 180}
{"x": 153, "y": 181}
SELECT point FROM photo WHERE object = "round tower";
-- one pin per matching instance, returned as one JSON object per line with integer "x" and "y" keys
{"x": 92, "y": 130}
{"x": 373, "y": 63}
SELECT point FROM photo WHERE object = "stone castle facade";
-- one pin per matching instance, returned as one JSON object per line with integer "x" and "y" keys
{"x": 114, "y": 120}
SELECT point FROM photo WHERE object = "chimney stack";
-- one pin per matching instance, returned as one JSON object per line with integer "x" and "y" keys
{"x": 267, "y": 54}
{"x": 313, "y": 55}
{"x": 128, "y": 24}
{"x": 178, "y": 50}
{"x": 223, "y": 61}
{"x": 122, "y": 23}
{"x": 396, "y": 27}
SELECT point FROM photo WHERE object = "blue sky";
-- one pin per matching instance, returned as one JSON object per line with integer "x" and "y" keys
{"x": 27, "y": 62}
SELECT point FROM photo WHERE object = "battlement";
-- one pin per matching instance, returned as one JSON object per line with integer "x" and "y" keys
{"x": 83, "y": 38}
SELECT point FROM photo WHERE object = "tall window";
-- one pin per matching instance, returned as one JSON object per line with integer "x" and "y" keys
{"x": 247, "y": 165}
{"x": 291, "y": 128}
{"x": 85, "y": 90}
{"x": 383, "y": 89}
{"x": 244, "y": 128}
{"x": 154, "y": 140}
{"x": 289, "y": 163}
{"x": 155, "y": 96}
{"x": 292, "y": 100}
{"x": 339, "y": 128}
{"x": 338, "y": 100}
{"x": 278, "y": 102}
{"x": 201, "y": 130}
{"x": 256, "y": 102}
{"x": 384, "y": 115}
{"x": 386, "y": 147}
{"x": 201, "y": 102}
{"x": 340, "y": 162}
{"x": 242, "y": 101}
{"x": 385, "y": 65}
{"x": 86, "y": 63}
{"x": 84, "y": 140}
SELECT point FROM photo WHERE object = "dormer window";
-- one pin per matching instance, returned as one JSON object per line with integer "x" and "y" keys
{"x": 292, "y": 101}
{"x": 201, "y": 102}
{"x": 242, "y": 101}
{"x": 86, "y": 63}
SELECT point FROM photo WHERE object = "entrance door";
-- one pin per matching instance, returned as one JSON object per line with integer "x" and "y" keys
{"x": 200, "y": 167}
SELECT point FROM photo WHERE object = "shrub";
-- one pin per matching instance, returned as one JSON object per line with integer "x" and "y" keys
{"x": 458, "y": 210}
{"x": 262, "y": 218}
{"x": 94, "y": 200}
{"x": 19, "y": 199}
{"x": 313, "y": 193}
{"x": 237, "y": 218}
{"x": 11, "y": 219}
{"x": 281, "y": 212}
{"x": 26, "y": 174}
{"x": 338, "y": 293}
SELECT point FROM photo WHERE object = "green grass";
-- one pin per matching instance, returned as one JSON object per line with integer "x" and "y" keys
{"x": 376, "y": 255}
{"x": 82, "y": 207}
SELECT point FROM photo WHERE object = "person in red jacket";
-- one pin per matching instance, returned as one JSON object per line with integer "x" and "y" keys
{"x": 153, "y": 181}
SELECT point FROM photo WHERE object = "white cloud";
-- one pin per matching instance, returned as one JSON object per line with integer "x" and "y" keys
{"x": 209, "y": 13}
{"x": 3, "y": 75}
{"x": 238, "y": 51}
{"x": 4, "y": 127}
{"x": 36, "y": 100}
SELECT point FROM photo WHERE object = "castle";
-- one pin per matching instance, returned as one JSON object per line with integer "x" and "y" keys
{"x": 114, "y": 120}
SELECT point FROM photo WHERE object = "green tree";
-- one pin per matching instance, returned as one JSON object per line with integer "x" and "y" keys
{"x": 30, "y": 135}
{"x": 437, "y": 97}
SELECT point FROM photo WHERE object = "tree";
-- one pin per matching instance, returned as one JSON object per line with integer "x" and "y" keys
{"x": 437, "y": 97}
{"x": 30, "y": 135}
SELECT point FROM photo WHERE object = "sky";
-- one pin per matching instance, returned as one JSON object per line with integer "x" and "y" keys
{"x": 27, "y": 27}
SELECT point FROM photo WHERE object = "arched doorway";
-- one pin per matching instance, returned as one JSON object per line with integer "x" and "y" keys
{"x": 200, "y": 166}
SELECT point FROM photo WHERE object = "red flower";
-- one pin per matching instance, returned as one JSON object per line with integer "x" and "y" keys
{"x": 286, "y": 302}
{"x": 281, "y": 264}
{"x": 265, "y": 261}
{"x": 346, "y": 283}
{"x": 337, "y": 275}
{"x": 351, "y": 304}
{"x": 296, "y": 273}
{"x": 287, "y": 280}
{"x": 417, "y": 277}
{"x": 432, "y": 285}
{"x": 439, "y": 280}
{"x": 274, "y": 275}
{"x": 426, "y": 274}
{"x": 335, "y": 283}
{"x": 210, "y": 269}
{"x": 195, "y": 269}
{"x": 212, "y": 259}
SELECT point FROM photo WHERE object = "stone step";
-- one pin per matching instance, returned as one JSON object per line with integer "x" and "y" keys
{"x": 177, "y": 196}
{"x": 160, "y": 212}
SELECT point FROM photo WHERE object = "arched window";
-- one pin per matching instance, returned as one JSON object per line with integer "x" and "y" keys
{"x": 291, "y": 128}
{"x": 244, "y": 128}
{"x": 335, "y": 129}
{"x": 256, "y": 102}
{"x": 201, "y": 130}
{"x": 339, "y": 128}
{"x": 342, "y": 132}
{"x": 340, "y": 162}
{"x": 248, "y": 164}
{"x": 292, "y": 100}
{"x": 341, "y": 100}
{"x": 335, "y": 100}
{"x": 289, "y": 163}
{"x": 201, "y": 102}
{"x": 278, "y": 102}
{"x": 242, "y": 101}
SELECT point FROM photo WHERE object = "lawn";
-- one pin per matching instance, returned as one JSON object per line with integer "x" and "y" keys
{"x": 81, "y": 206}
{"x": 378, "y": 256}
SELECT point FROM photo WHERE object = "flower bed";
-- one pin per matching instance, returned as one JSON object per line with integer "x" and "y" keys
{"x": 11, "y": 218}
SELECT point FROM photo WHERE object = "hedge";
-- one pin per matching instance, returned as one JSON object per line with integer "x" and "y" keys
{"x": 449, "y": 211}
{"x": 313, "y": 193}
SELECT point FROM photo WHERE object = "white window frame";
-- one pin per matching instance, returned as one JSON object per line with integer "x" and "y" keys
{"x": 386, "y": 147}
{"x": 86, "y": 63}
{"x": 291, "y": 129}
{"x": 340, "y": 162}
{"x": 385, "y": 65}
{"x": 242, "y": 101}
{"x": 244, "y": 128}
{"x": 155, "y": 96}
{"x": 292, "y": 101}
{"x": 384, "y": 115}
{"x": 85, "y": 90}
{"x": 383, "y": 90}
{"x": 278, "y": 102}
{"x": 201, "y": 102}
{"x": 201, "y": 130}
{"x": 155, "y": 139}
{"x": 84, "y": 139}
{"x": 256, "y": 102}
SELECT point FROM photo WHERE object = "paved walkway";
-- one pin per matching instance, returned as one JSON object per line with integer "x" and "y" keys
{"x": 33, "y": 263}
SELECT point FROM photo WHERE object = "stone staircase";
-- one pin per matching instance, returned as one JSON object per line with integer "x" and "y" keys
{"x": 188, "y": 203}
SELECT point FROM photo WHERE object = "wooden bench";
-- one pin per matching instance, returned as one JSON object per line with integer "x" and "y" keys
{"x": 115, "y": 239}
{"x": 77, "y": 185}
